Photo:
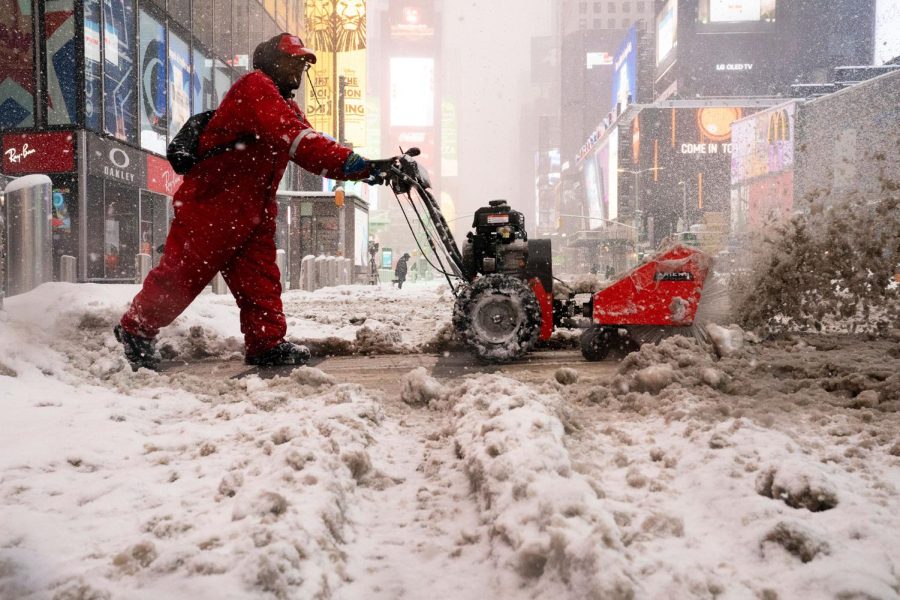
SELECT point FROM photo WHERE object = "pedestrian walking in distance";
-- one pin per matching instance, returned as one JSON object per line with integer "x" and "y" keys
{"x": 225, "y": 210}
{"x": 401, "y": 269}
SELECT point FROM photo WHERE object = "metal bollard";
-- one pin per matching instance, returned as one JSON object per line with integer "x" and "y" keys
{"x": 218, "y": 285}
{"x": 142, "y": 265}
{"x": 281, "y": 262}
{"x": 331, "y": 265}
{"x": 67, "y": 265}
{"x": 321, "y": 272}
{"x": 29, "y": 261}
{"x": 308, "y": 273}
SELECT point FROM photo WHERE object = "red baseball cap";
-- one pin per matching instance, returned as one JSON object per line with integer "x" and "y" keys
{"x": 293, "y": 46}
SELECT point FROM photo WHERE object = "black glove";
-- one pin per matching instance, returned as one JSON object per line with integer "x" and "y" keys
{"x": 379, "y": 171}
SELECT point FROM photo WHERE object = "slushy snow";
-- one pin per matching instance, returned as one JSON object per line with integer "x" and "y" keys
{"x": 770, "y": 470}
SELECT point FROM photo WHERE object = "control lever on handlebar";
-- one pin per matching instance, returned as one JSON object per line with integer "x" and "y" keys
{"x": 383, "y": 170}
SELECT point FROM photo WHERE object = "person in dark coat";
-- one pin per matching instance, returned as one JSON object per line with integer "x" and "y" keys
{"x": 225, "y": 211}
{"x": 400, "y": 271}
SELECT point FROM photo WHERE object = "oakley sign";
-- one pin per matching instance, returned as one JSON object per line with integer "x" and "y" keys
{"x": 113, "y": 161}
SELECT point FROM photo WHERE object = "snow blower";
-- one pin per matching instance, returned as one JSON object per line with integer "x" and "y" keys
{"x": 503, "y": 282}
{"x": 667, "y": 295}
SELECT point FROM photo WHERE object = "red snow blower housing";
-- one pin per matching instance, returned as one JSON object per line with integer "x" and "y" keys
{"x": 661, "y": 294}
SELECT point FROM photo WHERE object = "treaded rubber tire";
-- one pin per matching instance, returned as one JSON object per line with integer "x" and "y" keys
{"x": 499, "y": 318}
{"x": 596, "y": 342}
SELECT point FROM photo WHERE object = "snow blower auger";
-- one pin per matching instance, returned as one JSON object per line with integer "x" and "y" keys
{"x": 503, "y": 281}
{"x": 658, "y": 298}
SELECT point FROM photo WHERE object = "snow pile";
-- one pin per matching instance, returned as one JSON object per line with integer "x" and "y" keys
{"x": 830, "y": 268}
{"x": 547, "y": 522}
{"x": 725, "y": 341}
{"x": 251, "y": 493}
{"x": 421, "y": 389}
{"x": 167, "y": 485}
{"x": 798, "y": 484}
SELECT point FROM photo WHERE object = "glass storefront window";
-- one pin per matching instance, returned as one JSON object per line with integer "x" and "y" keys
{"x": 119, "y": 81}
{"x": 62, "y": 77}
{"x": 179, "y": 83}
{"x": 202, "y": 83}
{"x": 281, "y": 14}
{"x": 17, "y": 84}
{"x": 222, "y": 30}
{"x": 293, "y": 19}
{"x": 93, "y": 88}
{"x": 153, "y": 84}
{"x": 270, "y": 29}
{"x": 255, "y": 27}
{"x": 63, "y": 219}
{"x": 222, "y": 78}
{"x": 113, "y": 230}
{"x": 204, "y": 17}
{"x": 154, "y": 224}
{"x": 240, "y": 41}
{"x": 181, "y": 12}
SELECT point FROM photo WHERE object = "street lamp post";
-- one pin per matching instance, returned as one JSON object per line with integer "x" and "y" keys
{"x": 683, "y": 204}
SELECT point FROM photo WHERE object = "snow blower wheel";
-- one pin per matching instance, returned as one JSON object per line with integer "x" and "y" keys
{"x": 499, "y": 317}
{"x": 596, "y": 342}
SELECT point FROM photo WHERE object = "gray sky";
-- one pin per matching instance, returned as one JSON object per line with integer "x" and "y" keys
{"x": 487, "y": 63}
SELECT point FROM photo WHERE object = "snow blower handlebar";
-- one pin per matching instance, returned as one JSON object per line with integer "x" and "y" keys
{"x": 403, "y": 175}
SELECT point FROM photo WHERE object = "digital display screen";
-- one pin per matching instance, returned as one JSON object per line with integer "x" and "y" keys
{"x": 179, "y": 83}
{"x": 17, "y": 83}
{"x": 62, "y": 78}
{"x": 412, "y": 92}
{"x": 666, "y": 28}
{"x": 153, "y": 84}
{"x": 120, "y": 49}
{"x": 737, "y": 11}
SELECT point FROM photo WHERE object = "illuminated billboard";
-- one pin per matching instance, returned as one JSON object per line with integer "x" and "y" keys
{"x": 666, "y": 31}
{"x": 737, "y": 11}
{"x": 763, "y": 143}
{"x": 594, "y": 186}
{"x": 685, "y": 155}
{"x": 624, "y": 85}
{"x": 887, "y": 24}
{"x": 337, "y": 33}
{"x": 612, "y": 175}
{"x": 762, "y": 164}
{"x": 412, "y": 92}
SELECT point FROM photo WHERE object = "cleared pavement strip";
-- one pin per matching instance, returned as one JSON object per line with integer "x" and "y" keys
{"x": 385, "y": 371}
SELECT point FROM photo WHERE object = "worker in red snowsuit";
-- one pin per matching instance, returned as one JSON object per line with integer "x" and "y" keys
{"x": 225, "y": 210}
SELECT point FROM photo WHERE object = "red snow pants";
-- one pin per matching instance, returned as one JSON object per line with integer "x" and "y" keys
{"x": 230, "y": 235}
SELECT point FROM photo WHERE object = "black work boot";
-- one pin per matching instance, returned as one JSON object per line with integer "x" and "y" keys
{"x": 284, "y": 353}
{"x": 140, "y": 351}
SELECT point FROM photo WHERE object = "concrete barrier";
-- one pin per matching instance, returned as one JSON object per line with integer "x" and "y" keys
{"x": 67, "y": 266}
{"x": 308, "y": 273}
{"x": 218, "y": 284}
{"x": 142, "y": 265}
{"x": 281, "y": 261}
{"x": 321, "y": 272}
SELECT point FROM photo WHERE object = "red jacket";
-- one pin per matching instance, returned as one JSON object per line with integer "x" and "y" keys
{"x": 254, "y": 107}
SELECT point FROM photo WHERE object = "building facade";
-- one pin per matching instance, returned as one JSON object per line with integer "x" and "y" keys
{"x": 91, "y": 91}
